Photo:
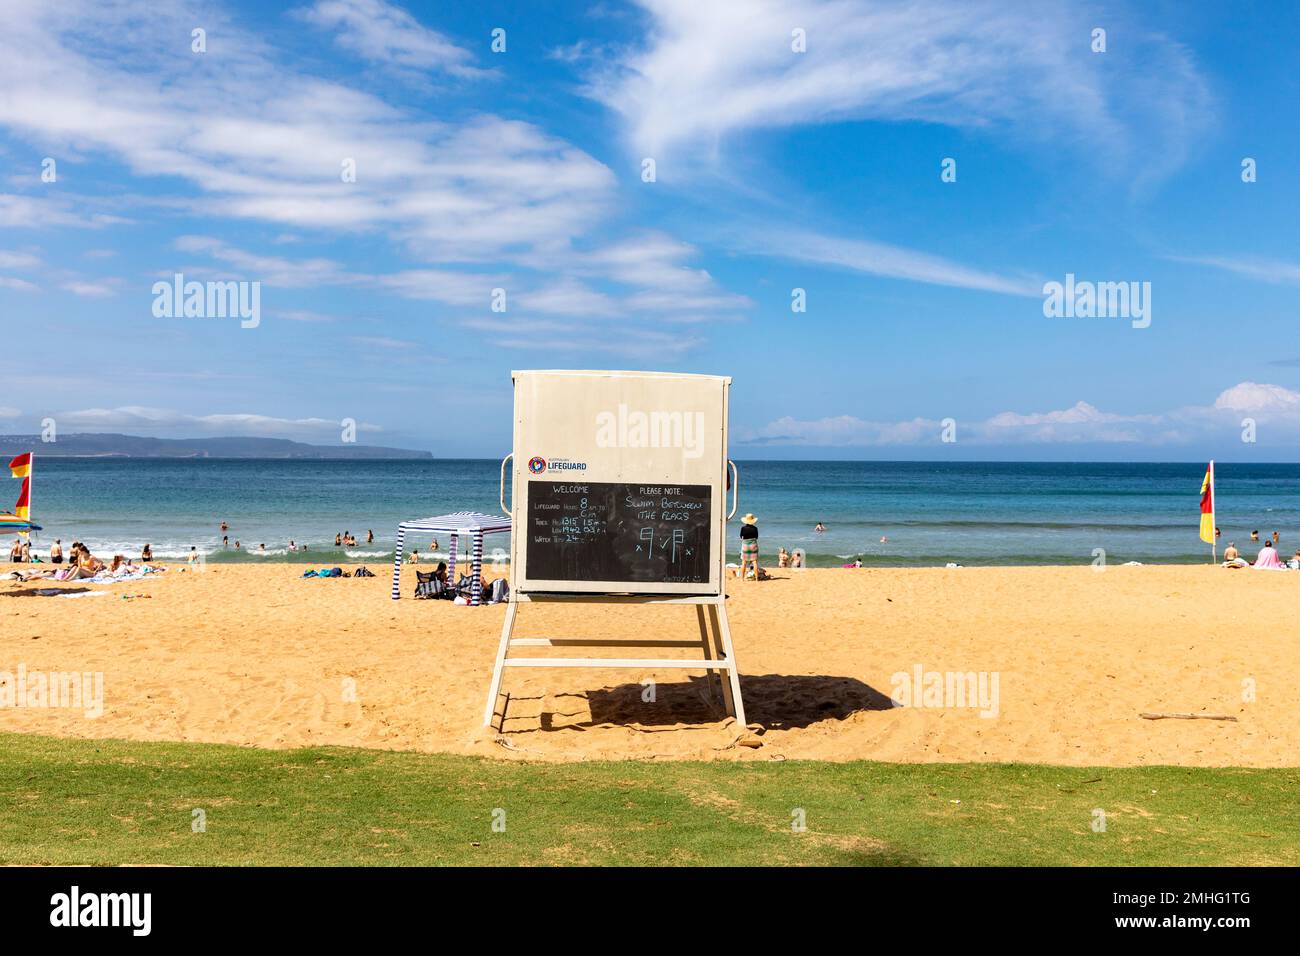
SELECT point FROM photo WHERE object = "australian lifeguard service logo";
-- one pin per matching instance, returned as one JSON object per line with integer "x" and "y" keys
{"x": 538, "y": 464}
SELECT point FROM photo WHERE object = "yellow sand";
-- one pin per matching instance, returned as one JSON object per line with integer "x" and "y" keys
{"x": 260, "y": 656}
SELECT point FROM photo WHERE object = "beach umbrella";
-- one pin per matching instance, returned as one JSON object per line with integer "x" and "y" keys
{"x": 12, "y": 524}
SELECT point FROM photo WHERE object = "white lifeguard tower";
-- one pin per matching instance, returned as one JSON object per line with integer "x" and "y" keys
{"x": 619, "y": 491}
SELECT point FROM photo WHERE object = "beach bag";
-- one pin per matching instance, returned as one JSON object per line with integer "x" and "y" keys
{"x": 363, "y": 572}
{"x": 498, "y": 592}
{"x": 428, "y": 585}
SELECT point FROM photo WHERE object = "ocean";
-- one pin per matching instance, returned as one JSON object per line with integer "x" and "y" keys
{"x": 927, "y": 513}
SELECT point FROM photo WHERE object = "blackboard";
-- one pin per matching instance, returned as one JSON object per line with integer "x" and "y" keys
{"x": 621, "y": 533}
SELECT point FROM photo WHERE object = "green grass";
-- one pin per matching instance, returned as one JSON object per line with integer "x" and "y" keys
{"x": 109, "y": 802}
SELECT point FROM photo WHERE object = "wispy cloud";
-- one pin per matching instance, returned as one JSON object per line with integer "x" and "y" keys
{"x": 711, "y": 71}
{"x": 882, "y": 259}
{"x": 382, "y": 33}
{"x": 1264, "y": 269}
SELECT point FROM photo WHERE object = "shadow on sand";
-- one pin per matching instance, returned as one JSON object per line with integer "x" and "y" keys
{"x": 777, "y": 701}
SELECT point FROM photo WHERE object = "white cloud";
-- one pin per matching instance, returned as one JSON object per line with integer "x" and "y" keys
{"x": 22, "y": 285}
{"x": 101, "y": 289}
{"x": 18, "y": 260}
{"x": 709, "y": 71}
{"x": 386, "y": 34}
{"x": 247, "y": 137}
{"x": 155, "y": 420}
{"x": 384, "y": 342}
{"x": 17, "y": 211}
{"x": 272, "y": 270}
{"x": 261, "y": 141}
{"x": 1273, "y": 405}
{"x": 1255, "y": 398}
{"x": 877, "y": 258}
{"x": 1262, "y": 268}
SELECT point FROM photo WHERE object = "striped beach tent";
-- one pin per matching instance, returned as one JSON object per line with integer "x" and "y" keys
{"x": 458, "y": 524}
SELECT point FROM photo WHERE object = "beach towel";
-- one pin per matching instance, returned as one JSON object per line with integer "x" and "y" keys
{"x": 123, "y": 574}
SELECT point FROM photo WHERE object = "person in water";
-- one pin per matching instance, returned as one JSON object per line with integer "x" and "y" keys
{"x": 370, "y": 536}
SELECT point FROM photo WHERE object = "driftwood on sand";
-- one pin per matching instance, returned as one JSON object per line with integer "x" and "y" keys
{"x": 1186, "y": 717}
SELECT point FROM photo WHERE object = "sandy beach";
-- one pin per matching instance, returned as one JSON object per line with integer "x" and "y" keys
{"x": 262, "y": 657}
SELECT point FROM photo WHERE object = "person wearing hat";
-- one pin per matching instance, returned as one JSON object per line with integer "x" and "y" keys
{"x": 748, "y": 544}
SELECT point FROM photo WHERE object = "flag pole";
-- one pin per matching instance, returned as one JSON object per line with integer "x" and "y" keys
{"x": 1213, "y": 518}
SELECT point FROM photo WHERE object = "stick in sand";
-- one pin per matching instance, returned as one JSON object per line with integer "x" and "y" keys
{"x": 1186, "y": 717}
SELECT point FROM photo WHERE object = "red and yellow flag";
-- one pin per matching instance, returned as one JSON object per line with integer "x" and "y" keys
{"x": 1207, "y": 506}
{"x": 21, "y": 467}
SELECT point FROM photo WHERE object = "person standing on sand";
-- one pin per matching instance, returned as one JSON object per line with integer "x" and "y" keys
{"x": 146, "y": 555}
{"x": 783, "y": 558}
{"x": 56, "y": 551}
{"x": 748, "y": 544}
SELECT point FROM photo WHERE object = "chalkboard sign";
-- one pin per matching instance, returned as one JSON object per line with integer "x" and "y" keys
{"x": 602, "y": 531}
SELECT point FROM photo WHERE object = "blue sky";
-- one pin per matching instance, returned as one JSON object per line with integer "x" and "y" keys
{"x": 775, "y": 169}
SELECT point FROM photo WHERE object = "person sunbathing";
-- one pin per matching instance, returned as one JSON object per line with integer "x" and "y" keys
{"x": 1232, "y": 557}
{"x": 1268, "y": 559}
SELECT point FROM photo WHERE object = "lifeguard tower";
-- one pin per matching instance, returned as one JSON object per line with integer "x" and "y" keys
{"x": 618, "y": 484}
